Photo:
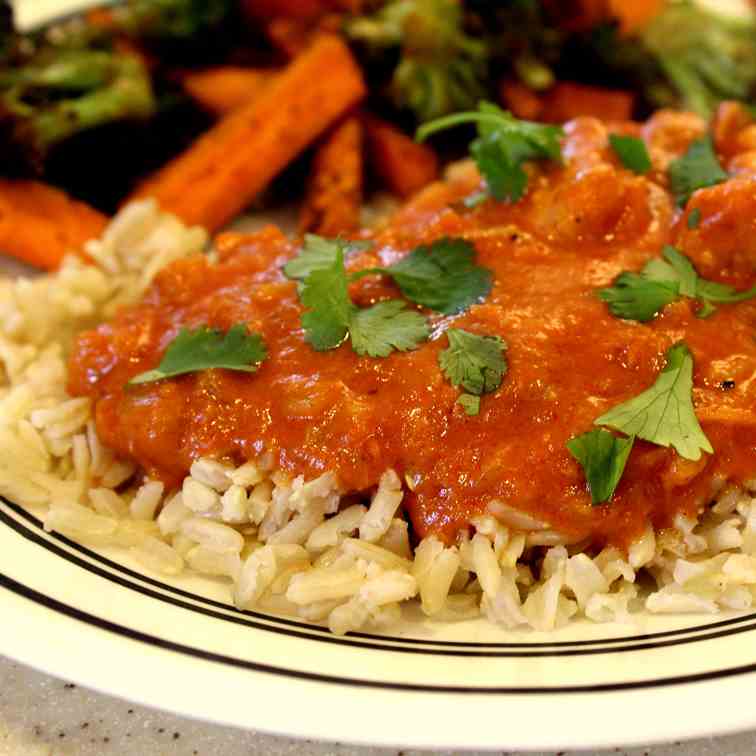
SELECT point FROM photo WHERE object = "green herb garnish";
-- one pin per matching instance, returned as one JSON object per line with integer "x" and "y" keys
{"x": 503, "y": 145}
{"x": 603, "y": 457}
{"x": 205, "y": 349}
{"x": 632, "y": 152}
{"x": 641, "y": 296}
{"x": 441, "y": 277}
{"x": 332, "y": 316}
{"x": 474, "y": 363}
{"x": 664, "y": 413}
{"x": 696, "y": 169}
{"x": 379, "y": 330}
{"x": 694, "y": 218}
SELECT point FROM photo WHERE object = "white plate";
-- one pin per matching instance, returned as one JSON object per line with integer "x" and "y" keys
{"x": 93, "y": 618}
{"x": 81, "y": 615}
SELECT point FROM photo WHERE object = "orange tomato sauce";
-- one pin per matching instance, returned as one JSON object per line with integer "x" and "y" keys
{"x": 570, "y": 360}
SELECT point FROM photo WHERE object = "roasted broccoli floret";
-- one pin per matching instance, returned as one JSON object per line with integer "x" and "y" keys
{"x": 688, "y": 56}
{"x": 57, "y": 92}
{"x": 177, "y": 20}
{"x": 441, "y": 68}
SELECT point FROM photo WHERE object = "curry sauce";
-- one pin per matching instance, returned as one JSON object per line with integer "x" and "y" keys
{"x": 570, "y": 360}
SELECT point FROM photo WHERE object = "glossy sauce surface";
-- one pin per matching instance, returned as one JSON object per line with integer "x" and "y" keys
{"x": 569, "y": 359}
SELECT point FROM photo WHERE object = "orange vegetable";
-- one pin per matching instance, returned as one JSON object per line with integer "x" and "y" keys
{"x": 40, "y": 224}
{"x": 520, "y": 99}
{"x": 224, "y": 88}
{"x": 227, "y": 167}
{"x": 567, "y": 100}
{"x": 582, "y": 15}
{"x": 334, "y": 196}
{"x": 404, "y": 165}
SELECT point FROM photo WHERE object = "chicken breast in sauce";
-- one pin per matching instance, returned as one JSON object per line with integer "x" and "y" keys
{"x": 570, "y": 359}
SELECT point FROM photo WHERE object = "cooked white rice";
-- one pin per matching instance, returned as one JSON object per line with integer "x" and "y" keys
{"x": 293, "y": 546}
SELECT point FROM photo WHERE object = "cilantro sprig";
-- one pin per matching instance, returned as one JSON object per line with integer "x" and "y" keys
{"x": 331, "y": 315}
{"x": 603, "y": 457}
{"x": 207, "y": 348}
{"x": 474, "y": 363}
{"x": 663, "y": 414}
{"x": 504, "y": 143}
{"x": 641, "y": 296}
{"x": 632, "y": 152}
{"x": 698, "y": 168}
{"x": 442, "y": 276}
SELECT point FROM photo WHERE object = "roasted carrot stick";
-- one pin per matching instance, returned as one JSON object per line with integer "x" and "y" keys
{"x": 334, "y": 196}
{"x": 224, "y": 88}
{"x": 404, "y": 165}
{"x": 40, "y": 224}
{"x": 520, "y": 99}
{"x": 567, "y": 99}
{"x": 223, "y": 171}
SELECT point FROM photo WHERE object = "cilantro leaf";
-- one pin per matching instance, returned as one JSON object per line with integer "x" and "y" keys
{"x": 442, "y": 276}
{"x": 325, "y": 293}
{"x": 664, "y": 413}
{"x": 640, "y": 296}
{"x": 632, "y": 152}
{"x": 676, "y": 268}
{"x": 205, "y": 349}
{"x": 379, "y": 330}
{"x": 476, "y": 363}
{"x": 503, "y": 145}
{"x": 696, "y": 169}
{"x": 469, "y": 403}
{"x": 332, "y": 316}
{"x": 318, "y": 253}
{"x": 694, "y": 218}
{"x": 603, "y": 457}
{"x": 634, "y": 297}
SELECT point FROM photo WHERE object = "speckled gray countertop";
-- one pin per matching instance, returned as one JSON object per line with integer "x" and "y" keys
{"x": 43, "y": 716}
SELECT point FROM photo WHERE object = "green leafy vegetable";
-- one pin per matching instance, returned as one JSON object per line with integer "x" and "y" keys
{"x": 205, "y": 349}
{"x": 694, "y": 218}
{"x": 379, "y": 330}
{"x": 325, "y": 293}
{"x": 317, "y": 253}
{"x": 641, "y": 296}
{"x": 696, "y": 169}
{"x": 469, "y": 403}
{"x": 664, "y": 413}
{"x": 603, "y": 457}
{"x": 476, "y": 363}
{"x": 632, "y": 152}
{"x": 503, "y": 145}
{"x": 332, "y": 317}
{"x": 442, "y": 276}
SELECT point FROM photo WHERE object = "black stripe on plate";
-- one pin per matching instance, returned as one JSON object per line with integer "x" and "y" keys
{"x": 97, "y": 622}
{"x": 544, "y": 650}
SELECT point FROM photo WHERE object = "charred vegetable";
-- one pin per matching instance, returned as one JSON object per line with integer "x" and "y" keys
{"x": 687, "y": 56}
{"x": 56, "y": 86}
{"x": 441, "y": 67}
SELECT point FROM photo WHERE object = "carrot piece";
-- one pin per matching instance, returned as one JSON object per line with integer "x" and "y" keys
{"x": 40, "y": 224}
{"x": 582, "y": 15}
{"x": 334, "y": 196}
{"x": 223, "y": 171}
{"x": 520, "y": 99}
{"x": 404, "y": 165}
{"x": 224, "y": 88}
{"x": 567, "y": 99}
